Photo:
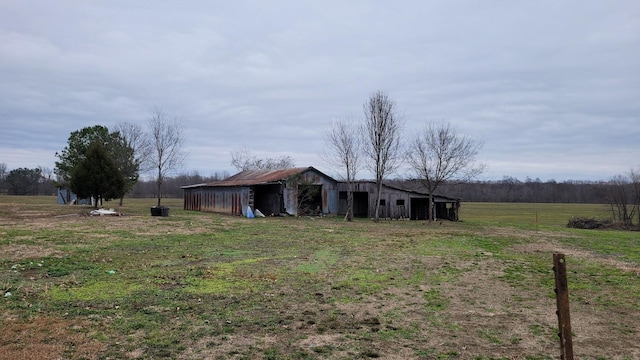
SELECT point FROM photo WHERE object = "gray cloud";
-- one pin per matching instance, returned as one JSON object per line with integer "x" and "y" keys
{"x": 550, "y": 87}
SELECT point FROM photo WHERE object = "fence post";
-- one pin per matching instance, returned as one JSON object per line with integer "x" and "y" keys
{"x": 562, "y": 301}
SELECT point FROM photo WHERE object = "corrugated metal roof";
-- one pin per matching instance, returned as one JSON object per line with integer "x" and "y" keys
{"x": 411, "y": 187}
{"x": 418, "y": 188}
{"x": 256, "y": 177}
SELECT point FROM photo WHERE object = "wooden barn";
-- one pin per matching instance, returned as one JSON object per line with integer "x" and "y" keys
{"x": 398, "y": 200}
{"x": 296, "y": 191}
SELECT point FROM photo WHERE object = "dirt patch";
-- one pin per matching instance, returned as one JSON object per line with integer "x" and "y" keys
{"x": 48, "y": 338}
{"x": 500, "y": 315}
{"x": 214, "y": 347}
{"x": 17, "y": 252}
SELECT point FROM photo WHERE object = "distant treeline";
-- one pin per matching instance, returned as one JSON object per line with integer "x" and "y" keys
{"x": 39, "y": 182}
{"x": 171, "y": 188}
{"x": 508, "y": 189}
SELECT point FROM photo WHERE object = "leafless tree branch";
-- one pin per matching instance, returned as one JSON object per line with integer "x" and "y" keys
{"x": 381, "y": 143}
{"x": 342, "y": 152}
{"x": 166, "y": 138}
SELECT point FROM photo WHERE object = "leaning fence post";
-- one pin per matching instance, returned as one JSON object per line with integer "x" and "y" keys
{"x": 562, "y": 301}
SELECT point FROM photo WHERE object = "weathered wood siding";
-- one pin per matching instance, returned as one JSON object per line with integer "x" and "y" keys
{"x": 394, "y": 203}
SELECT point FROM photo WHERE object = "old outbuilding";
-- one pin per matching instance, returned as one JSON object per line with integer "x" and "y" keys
{"x": 296, "y": 191}
{"x": 398, "y": 200}
{"x": 307, "y": 191}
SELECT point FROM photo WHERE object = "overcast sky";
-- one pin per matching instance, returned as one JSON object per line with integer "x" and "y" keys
{"x": 552, "y": 88}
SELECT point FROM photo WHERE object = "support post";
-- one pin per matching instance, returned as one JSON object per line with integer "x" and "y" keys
{"x": 562, "y": 302}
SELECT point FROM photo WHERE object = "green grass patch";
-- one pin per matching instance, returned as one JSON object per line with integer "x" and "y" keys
{"x": 113, "y": 290}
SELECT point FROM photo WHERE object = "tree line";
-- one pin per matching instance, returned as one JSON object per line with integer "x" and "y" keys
{"x": 511, "y": 189}
{"x": 40, "y": 181}
{"x": 25, "y": 181}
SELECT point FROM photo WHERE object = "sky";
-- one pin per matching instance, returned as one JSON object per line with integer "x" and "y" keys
{"x": 551, "y": 88}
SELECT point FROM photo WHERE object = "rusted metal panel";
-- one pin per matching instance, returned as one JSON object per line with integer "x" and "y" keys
{"x": 325, "y": 199}
{"x": 221, "y": 200}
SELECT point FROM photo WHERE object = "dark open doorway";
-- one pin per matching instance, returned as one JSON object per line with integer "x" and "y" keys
{"x": 268, "y": 199}
{"x": 309, "y": 199}
{"x": 360, "y": 203}
{"x": 419, "y": 208}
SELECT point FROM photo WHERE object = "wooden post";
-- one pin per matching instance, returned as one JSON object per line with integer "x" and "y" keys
{"x": 562, "y": 301}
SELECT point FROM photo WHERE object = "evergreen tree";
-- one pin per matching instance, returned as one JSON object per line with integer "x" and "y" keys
{"x": 97, "y": 175}
{"x": 118, "y": 147}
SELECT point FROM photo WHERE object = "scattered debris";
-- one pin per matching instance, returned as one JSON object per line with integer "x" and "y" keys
{"x": 102, "y": 212}
{"x": 258, "y": 213}
{"x": 7, "y": 294}
{"x": 111, "y": 272}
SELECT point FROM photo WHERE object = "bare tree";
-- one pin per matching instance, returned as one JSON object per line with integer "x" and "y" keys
{"x": 244, "y": 160}
{"x": 134, "y": 136}
{"x": 381, "y": 142}
{"x": 3, "y": 175}
{"x": 138, "y": 148}
{"x": 166, "y": 139}
{"x": 343, "y": 153}
{"x": 634, "y": 176}
{"x": 439, "y": 154}
{"x": 46, "y": 181}
{"x": 621, "y": 200}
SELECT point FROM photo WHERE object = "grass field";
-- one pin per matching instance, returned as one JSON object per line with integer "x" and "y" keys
{"x": 206, "y": 286}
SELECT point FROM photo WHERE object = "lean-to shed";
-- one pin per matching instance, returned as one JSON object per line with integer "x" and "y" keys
{"x": 398, "y": 200}
{"x": 296, "y": 191}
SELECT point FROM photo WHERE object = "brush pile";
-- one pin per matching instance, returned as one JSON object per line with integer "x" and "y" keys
{"x": 588, "y": 223}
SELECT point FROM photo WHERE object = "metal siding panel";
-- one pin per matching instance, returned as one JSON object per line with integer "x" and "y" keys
{"x": 244, "y": 202}
{"x": 325, "y": 200}
{"x": 290, "y": 203}
{"x": 332, "y": 201}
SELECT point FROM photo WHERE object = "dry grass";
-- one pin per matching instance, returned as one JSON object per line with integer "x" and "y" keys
{"x": 47, "y": 337}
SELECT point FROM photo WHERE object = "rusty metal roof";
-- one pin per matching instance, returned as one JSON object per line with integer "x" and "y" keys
{"x": 257, "y": 177}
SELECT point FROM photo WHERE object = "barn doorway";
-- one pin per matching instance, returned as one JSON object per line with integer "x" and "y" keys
{"x": 419, "y": 208}
{"x": 309, "y": 199}
{"x": 360, "y": 203}
{"x": 268, "y": 199}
